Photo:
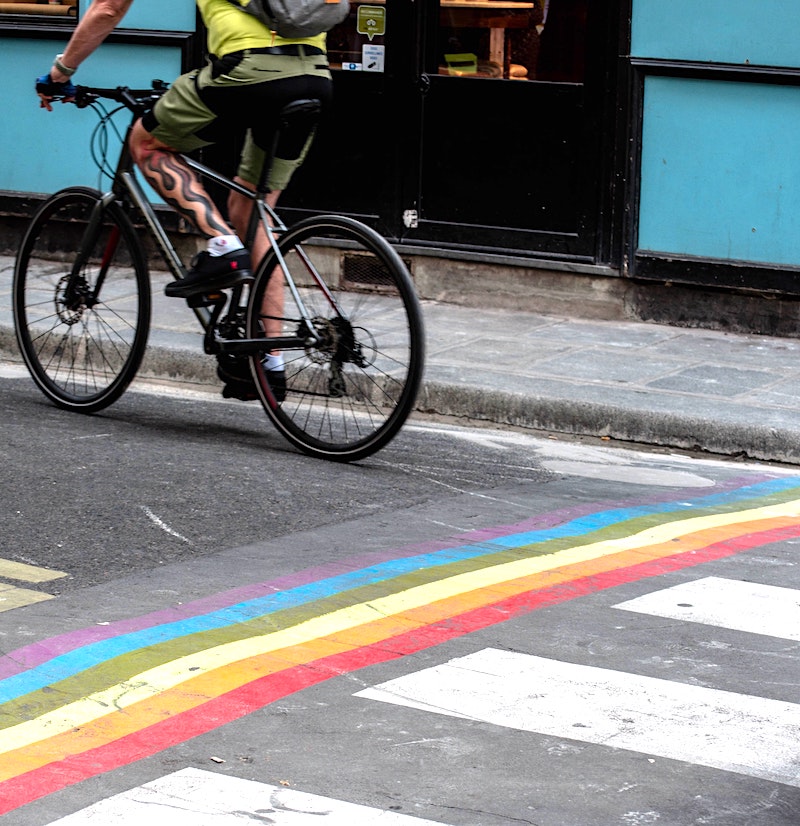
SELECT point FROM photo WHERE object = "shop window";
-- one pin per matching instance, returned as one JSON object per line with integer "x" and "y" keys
{"x": 513, "y": 39}
{"x": 51, "y": 9}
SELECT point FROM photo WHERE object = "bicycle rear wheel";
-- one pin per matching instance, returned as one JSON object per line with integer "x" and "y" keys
{"x": 82, "y": 329}
{"x": 350, "y": 388}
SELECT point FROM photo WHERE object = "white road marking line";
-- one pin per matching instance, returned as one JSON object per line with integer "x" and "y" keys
{"x": 163, "y": 525}
{"x": 193, "y": 797}
{"x": 727, "y": 603}
{"x": 720, "y": 729}
{"x": 12, "y": 596}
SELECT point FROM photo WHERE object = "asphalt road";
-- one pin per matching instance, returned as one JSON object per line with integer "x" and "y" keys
{"x": 162, "y": 477}
{"x": 471, "y": 628}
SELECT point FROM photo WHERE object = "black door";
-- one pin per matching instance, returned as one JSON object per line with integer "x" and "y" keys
{"x": 483, "y": 129}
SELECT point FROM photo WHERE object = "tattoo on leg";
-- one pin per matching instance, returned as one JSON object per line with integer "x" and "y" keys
{"x": 180, "y": 188}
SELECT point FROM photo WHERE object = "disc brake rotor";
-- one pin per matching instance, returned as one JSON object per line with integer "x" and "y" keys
{"x": 70, "y": 309}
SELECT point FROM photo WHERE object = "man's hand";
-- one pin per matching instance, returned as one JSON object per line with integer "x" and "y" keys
{"x": 49, "y": 90}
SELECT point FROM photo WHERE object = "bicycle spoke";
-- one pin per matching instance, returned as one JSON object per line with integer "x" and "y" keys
{"x": 82, "y": 333}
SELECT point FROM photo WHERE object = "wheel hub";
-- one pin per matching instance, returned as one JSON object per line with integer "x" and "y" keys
{"x": 70, "y": 304}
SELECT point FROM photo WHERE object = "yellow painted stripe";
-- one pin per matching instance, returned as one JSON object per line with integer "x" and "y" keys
{"x": 13, "y": 597}
{"x": 113, "y": 726}
{"x": 27, "y": 573}
{"x": 149, "y": 684}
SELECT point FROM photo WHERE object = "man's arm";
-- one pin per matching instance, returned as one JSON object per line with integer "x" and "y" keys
{"x": 99, "y": 20}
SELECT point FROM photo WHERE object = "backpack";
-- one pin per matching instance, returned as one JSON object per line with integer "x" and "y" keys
{"x": 296, "y": 18}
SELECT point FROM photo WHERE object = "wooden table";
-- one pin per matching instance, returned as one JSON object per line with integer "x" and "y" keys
{"x": 495, "y": 15}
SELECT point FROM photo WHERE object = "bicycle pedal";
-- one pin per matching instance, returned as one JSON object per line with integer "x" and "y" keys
{"x": 205, "y": 300}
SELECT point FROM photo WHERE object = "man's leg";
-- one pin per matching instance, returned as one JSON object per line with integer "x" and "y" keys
{"x": 176, "y": 183}
{"x": 226, "y": 263}
{"x": 240, "y": 207}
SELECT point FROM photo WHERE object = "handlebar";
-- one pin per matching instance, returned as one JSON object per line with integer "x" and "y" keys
{"x": 137, "y": 100}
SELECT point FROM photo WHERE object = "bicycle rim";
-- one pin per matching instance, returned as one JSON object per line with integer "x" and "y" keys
{"x": 82, "y": 335}
{"x": 349, "y": 390}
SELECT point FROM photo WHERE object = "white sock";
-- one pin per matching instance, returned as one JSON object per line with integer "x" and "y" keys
{"x": 222, "y": 244}
{"x": 273, "y": 361}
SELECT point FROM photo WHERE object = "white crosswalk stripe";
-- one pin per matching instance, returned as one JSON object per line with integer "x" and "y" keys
{"x": 193, "y": 797}
{"x": 726, "y": 603}
{"x": 720, "y": 729}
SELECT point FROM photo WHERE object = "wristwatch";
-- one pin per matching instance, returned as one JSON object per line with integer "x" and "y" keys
{"x": 65, "y": 70}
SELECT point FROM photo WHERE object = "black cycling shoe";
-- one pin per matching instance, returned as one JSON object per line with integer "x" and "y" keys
{"x": 277, "y": 383}
{"x": 239, "y": 390}
{"x": 238, "y": 381}
{"x": 212, "y": 272}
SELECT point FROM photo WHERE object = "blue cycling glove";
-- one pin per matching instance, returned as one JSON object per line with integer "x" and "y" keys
{"x": 45, "y": 85}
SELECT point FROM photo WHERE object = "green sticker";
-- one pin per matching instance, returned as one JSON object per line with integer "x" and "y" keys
{"x": 371, "y": 20}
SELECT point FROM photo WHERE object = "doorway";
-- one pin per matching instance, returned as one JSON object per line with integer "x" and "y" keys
{"x": 483, "y": 127}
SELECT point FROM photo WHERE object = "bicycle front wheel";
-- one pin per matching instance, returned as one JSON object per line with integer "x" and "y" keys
{"x": 349, "y": 387}
{"x": 81, "y": 298}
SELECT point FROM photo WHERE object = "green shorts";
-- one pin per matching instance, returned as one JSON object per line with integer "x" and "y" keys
{"x": 240, "y": 96}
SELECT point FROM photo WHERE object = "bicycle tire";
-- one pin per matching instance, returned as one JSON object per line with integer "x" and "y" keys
{"x": 82, "y": 351}
{"x": 347, "y": 395}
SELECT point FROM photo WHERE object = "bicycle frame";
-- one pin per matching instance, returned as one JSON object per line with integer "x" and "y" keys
{"x": 342, "y": 320}
{"x": 125, "y": 183}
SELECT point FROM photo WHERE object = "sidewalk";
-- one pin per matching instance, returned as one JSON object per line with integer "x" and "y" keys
{"x": 730, "y": 394}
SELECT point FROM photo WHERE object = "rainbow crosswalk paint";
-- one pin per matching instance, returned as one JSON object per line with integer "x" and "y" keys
{"x": 87, "y": 702}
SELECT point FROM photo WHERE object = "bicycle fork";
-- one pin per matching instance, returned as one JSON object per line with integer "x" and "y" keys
{"x": 77, "y": 292}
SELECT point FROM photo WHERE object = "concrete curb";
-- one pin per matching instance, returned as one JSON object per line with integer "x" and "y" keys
{"x": 558, "y": 407}
{"x": 601, "y": 419}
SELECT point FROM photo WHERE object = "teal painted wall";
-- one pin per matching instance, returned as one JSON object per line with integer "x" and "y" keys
{"x": 720, "y": 159}
{"x": 720, "y": 164}
{"x": 52, "y": 148}
{"x": 765, "y": 32}
{"x": 161, "y": 15}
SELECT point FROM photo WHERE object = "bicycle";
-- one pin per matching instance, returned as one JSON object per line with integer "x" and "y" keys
{"x": 352, "y": 332}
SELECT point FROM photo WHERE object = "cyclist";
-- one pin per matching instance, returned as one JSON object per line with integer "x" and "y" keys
{"x": 250, "y": 75}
